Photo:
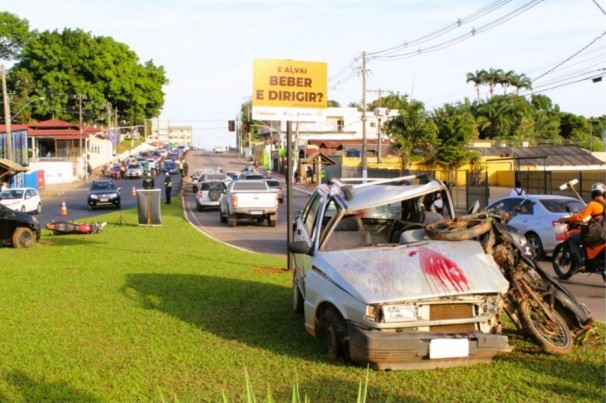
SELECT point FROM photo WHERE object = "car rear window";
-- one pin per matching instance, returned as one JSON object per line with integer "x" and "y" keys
{"x": 273, "y": 183}
{"x": 562, "y": 205}
{"x": 246, "y": 185}
{"x": 213, "y": 185}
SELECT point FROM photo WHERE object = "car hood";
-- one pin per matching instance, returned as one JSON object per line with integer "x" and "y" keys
{"x": 11, "y": 203}
{"x": 405, "y": 273}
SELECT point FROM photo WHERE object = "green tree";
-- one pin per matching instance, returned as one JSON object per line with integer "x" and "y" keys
{"x": 546, "y": 120}
{"x": 14, "y": 34}
{"x": 456, "y": 128}
{"x": 413, "y": 131}
{"x": 69, "y": 66}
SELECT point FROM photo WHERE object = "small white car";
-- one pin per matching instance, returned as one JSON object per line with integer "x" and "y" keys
{"x": 218, "y": 150}
{"x": 26, "y": 200}
{"x": 134, "y": 170}
{"x": 534, "y": 215}
{"x": 376, "y": 291}
{"x": 209, "y": 194}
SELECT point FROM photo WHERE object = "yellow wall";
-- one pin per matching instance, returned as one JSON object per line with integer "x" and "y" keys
{"x": 500, "y": 172}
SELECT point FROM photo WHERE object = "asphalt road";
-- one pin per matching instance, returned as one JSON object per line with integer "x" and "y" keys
{"x": 74, "y": 197}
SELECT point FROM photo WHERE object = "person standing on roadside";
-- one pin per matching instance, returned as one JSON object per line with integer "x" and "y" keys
{"x": 518, "y": 190}
{"x": 148, "y": 182}
{"x": 168, "y": 187}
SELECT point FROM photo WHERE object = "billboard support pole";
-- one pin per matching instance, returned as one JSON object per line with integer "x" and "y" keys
{"x": 289, "y": 179}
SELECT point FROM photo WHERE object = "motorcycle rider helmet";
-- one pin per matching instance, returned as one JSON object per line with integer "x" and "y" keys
{"x": 598, "y": 189}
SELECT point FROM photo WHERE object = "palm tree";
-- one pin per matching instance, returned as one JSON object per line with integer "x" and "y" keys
{"x": 478, "y": 79}
{"x": 493, "y": 77}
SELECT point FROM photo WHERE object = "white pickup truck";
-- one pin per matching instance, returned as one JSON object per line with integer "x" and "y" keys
{"x": 250, "y": 199}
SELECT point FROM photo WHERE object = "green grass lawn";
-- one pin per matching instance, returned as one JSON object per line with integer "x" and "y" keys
{"x": 165, "y": 314}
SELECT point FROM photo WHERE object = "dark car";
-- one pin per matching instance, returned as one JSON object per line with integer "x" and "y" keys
{"x": 18, "y": 229}
{"x": 103, "y": 192}
{"x": 171, "y": 167}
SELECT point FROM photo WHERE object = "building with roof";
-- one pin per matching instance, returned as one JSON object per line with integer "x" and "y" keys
{"x": 61, "y": 149}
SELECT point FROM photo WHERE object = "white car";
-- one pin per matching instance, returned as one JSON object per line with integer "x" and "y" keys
{"x": 277, "y": 187}
{"x": 26, "y": 200}
{"x": 134, "y": 170}
{"x": 218, "y": 150}
{"x": 534, "y": 215}
{"x": 376, "y": 291}
{"x": 209, "y": 194}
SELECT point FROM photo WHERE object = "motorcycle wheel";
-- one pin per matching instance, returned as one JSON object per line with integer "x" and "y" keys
{"x": 553, "y": 337}
{"x": 562, "y": 261}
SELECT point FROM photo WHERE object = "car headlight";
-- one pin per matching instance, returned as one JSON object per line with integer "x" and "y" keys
{"x": 113, "y": 195}
{"x": 391, "y": 313}
{"x": 94, "y": 197}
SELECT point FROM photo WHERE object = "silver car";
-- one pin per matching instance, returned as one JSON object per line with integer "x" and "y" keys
{"x": 134, "y": 171}
{"x": 377, "y": 292}
{"x": 534, "y": 215}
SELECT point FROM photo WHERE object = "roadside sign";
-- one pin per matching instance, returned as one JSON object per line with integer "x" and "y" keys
{"x": 290, "y": 90}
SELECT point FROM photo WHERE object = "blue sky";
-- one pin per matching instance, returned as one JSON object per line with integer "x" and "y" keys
{"x": 208, "y": 47}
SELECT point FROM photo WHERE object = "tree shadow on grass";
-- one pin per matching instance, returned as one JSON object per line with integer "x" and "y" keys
{"x": 37, "y": 391}
{"x": 253, "y": 313}
{"x": 241, "y": 310}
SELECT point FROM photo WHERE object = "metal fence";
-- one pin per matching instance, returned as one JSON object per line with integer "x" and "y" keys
{"x": 548, "y": 182}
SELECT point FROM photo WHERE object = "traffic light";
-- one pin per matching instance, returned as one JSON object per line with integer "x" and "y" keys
{"x": 231, "y": 125}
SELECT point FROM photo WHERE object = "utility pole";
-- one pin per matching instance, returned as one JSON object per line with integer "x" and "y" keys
{"x": 364, "y": 161}
{"x": 379, "y": 92}
{"x": 7, "y": 117}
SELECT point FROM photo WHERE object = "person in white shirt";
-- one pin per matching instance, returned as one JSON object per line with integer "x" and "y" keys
{"x": 517, "y": 190}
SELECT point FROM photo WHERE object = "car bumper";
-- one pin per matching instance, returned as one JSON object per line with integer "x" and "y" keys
{"x": 99, "y": 203}
{"x": 397, "y": 351}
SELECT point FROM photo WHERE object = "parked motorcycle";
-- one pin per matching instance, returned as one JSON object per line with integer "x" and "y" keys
{"x": 537, "y": 304}
{"x": 66, "y": 227}
{"x": 593, "y": 260}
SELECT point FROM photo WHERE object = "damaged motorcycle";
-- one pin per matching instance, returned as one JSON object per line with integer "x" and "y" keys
{"x": 538, "y": 305}
{"x": 67, "y": 227}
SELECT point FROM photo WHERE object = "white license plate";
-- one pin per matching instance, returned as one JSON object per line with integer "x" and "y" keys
{"x": 448, "y": 348}
{"x": 256, "y": 212}
{"x": 104, "y": 200}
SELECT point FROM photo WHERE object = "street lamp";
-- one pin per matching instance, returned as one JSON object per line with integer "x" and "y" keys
{"x": 31, "y": 101}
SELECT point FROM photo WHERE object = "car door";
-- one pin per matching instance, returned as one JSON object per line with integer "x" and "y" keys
{"x": 30, "y": 201}
{"x": 306, "y": 230}
{"x": 524, "y": 213}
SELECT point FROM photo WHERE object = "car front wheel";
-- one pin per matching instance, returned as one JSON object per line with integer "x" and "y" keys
{"x": 332, "y": 332}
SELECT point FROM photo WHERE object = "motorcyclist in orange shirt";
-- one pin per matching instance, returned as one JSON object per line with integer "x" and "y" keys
{"x": 594, "y": 209}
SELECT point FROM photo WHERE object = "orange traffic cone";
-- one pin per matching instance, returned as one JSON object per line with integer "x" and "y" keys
{"x": 134, "y": 192}
{"x": 63, "y": 209}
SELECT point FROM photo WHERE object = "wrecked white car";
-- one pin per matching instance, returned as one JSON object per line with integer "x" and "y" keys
{"x": 374, "y": 290}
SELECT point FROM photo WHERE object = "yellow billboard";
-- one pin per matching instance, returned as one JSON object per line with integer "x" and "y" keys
{"x": 289, "y": 90}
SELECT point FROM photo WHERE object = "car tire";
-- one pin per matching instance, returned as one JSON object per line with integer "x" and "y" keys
{"x": 272, "y": 219}
{"x": 457, "y": 230}
{"x": 333, "y": 334}
{"x": 199, "y": 207}
{"x": 222, "y": 217}
{"x": 23, "y": 237}
{"x": 535, "y": 244}
{"x": 118, "y": 206}
{"x": 39, "y": 209}
{"x": 231, "y": 220}
{"x": 297, "y": 296}
{"x": 562, "y": 261}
